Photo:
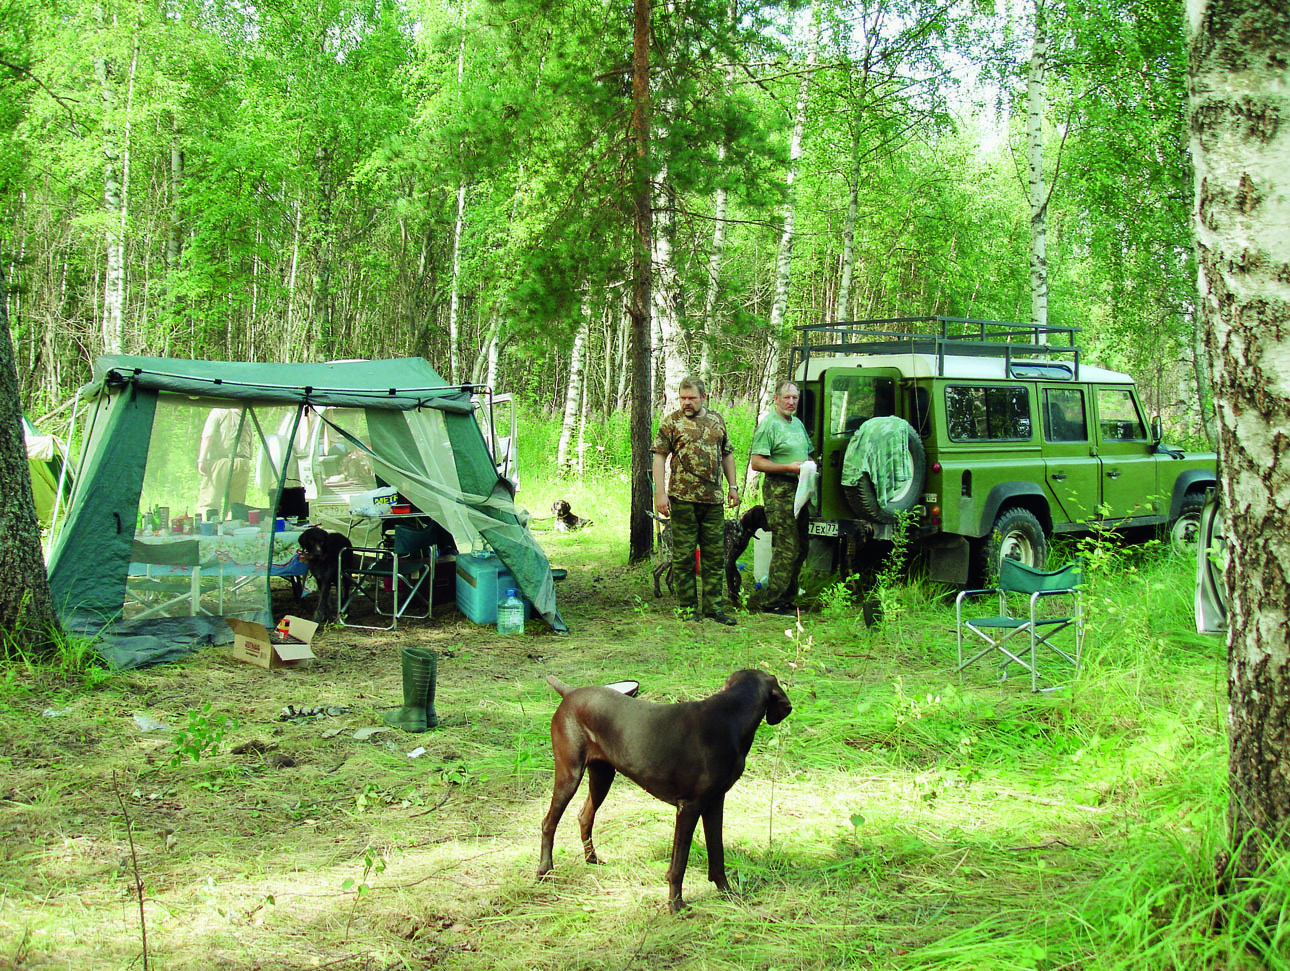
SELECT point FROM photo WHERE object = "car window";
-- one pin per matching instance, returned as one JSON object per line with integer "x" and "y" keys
{"x": 855, "y": 398}
{"x": 995, "y": 413}
{"x": 1064, "y": 417}
{"x": 1117, "y": 415}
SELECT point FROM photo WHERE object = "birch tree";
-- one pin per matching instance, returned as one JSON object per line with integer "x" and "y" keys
{"x": 1036, "y": 106}
{"x": 567, "y": 461}
{"x": 1240, "y": 142}
{"x": 784, "y": 257}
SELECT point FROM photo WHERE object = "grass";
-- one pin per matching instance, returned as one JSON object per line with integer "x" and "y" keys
{"x": 895, "y": 820}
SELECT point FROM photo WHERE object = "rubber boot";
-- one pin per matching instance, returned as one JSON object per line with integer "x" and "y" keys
{"x": 419, "y": 675}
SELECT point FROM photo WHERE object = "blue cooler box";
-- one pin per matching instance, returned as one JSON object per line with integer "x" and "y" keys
{"x": 482, "y": 581}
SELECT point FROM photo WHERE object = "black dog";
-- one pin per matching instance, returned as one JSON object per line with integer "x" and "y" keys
{"x": 738, "y": 534}
{"x": 565, "y": 520}
{"x": 688, "y": 755}
{"x": 328, "y": 555}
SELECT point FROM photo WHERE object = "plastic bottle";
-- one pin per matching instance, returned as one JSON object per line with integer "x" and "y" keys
{"x": 510, "y": 614}
{"x": 284, "y": 628}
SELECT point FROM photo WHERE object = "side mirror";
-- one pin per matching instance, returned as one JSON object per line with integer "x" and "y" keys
{"x": 1157, "y": 430}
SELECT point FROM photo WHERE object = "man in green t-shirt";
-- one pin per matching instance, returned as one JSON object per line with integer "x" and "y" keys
{"x": 696, "y": 440}
{"x": 779, "y": 447}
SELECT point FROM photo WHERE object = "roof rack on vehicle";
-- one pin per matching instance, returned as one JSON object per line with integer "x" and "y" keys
{"x": 939, "y": 337}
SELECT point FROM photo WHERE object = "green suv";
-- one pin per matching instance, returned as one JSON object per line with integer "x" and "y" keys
{"x": 985, "y": 438}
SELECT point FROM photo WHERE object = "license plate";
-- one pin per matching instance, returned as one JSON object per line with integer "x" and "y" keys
{"x": 823, "y": 527}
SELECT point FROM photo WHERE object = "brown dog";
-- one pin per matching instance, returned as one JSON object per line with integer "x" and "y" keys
{"x": 565, "y": 519}
{"x": 688, "y": 755}
{"x": 328, "y": 556}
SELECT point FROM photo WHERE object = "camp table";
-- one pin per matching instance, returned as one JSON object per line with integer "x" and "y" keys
{"x": 239, "y": 554}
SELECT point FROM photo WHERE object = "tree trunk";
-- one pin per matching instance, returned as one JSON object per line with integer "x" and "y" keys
{"x": 27, "y": 618}
{"x": 715, "y": 258}
{"x": 665, "y": 292}
{"x": 116, "y": 186}
{"x": 784, "y": 260}
{"x": 1036, "y": 97}
{"x": 849, "y": 236}
{"x": 1240, "y": 146}
{"x": 1204, "y": 387}
{"x": 458, "y": 227}
{"x": 565, "y": 462}
{"x": 640, "y": 531}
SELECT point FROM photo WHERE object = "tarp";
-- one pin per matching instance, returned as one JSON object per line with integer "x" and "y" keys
{"x": 171, "y": 442}
{"x": 880, "y": 449}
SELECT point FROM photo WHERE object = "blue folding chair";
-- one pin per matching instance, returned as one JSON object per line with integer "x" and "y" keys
{"x": 1034, "y": 607}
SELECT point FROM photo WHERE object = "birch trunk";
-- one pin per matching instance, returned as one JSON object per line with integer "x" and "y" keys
{"x": 1036, "y": 99}
{"x": 670, "y": 348}
{"x": 1204, "y": 387}
{"x": 454, "y": 298}
{"x": 784, "y": 260}
{"x": 1240, "y": 146}
{"x": 623, "y": 322}
{"x": 849, "y": 236}
{"x": 564, "y": 461}
{"x": 485, "y": 369}
{"x": 717, "y": 255}
{"x": 116, "y": 199}
{"x": 715, "y": 259}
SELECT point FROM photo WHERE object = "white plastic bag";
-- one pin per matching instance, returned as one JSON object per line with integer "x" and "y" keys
{"x": 805, "y": 485}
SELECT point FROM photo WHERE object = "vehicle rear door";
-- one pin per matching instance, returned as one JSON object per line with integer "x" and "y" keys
{"x": 851, "y": 396}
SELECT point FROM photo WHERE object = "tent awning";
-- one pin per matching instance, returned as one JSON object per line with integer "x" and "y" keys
{"x": 397, "y": 385}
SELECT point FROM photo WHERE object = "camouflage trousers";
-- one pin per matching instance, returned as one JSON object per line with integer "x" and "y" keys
{"x": 701, "y": 526}
{"x": 788, "y": 542}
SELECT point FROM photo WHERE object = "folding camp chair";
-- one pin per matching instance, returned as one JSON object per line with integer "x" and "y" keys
{"x": 404, "y": 570}
{"x": 1052, "y": 605}
{"x": 165, "y": 579}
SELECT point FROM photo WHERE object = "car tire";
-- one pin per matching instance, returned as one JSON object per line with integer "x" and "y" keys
{"x": 1183, "y": 530}
{"x": 863, "y": 496}
{"x": 1017, "y": 535}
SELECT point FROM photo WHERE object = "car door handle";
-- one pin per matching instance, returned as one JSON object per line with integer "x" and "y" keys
{"x": 1113, "y": 474}
{"x": 1059, "y": 476}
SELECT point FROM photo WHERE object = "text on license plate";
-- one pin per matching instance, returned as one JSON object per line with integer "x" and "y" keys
{"x": 823, "y": 527}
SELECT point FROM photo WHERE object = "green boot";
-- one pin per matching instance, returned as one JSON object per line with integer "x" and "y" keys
{"x": 419, "y": 675}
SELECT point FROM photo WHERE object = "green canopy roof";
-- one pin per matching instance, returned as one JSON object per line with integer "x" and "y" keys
{"x": 397, "y": 385}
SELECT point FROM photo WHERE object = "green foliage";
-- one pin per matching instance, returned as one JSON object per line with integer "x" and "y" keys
{"x": 202, "y": 736}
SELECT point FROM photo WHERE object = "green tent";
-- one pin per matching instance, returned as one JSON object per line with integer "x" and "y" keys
{"x": 209, "y": 446}
{"x": 45, "y": 456}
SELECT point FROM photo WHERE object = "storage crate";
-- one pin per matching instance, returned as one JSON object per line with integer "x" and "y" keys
{"x": 482, "y": 581}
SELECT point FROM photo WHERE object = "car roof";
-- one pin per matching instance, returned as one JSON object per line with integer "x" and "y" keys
{"x": 975, "y": 368}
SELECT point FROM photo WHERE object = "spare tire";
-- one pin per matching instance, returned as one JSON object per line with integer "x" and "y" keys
{"x": 886, "y": 465}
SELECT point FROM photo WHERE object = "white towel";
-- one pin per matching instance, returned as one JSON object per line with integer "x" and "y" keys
{"x": 805, "y": 486}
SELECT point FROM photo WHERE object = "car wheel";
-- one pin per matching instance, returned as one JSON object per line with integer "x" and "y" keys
{"x": 1017, "y": 535}
{"x": 1184, "y": 529}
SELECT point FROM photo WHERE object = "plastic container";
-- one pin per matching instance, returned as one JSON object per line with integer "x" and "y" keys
{"x": 510, "y": 613}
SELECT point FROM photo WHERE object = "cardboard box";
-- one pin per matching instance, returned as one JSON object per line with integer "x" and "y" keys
{"x": 482, "y": 581}
{"x": 255, "y": 644}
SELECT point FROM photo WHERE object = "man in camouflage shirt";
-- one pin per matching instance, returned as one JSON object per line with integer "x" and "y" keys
{"x": 701, "y": 452}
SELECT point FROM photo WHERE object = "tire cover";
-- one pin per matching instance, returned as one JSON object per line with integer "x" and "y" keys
{"x": 884, "y": 469}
